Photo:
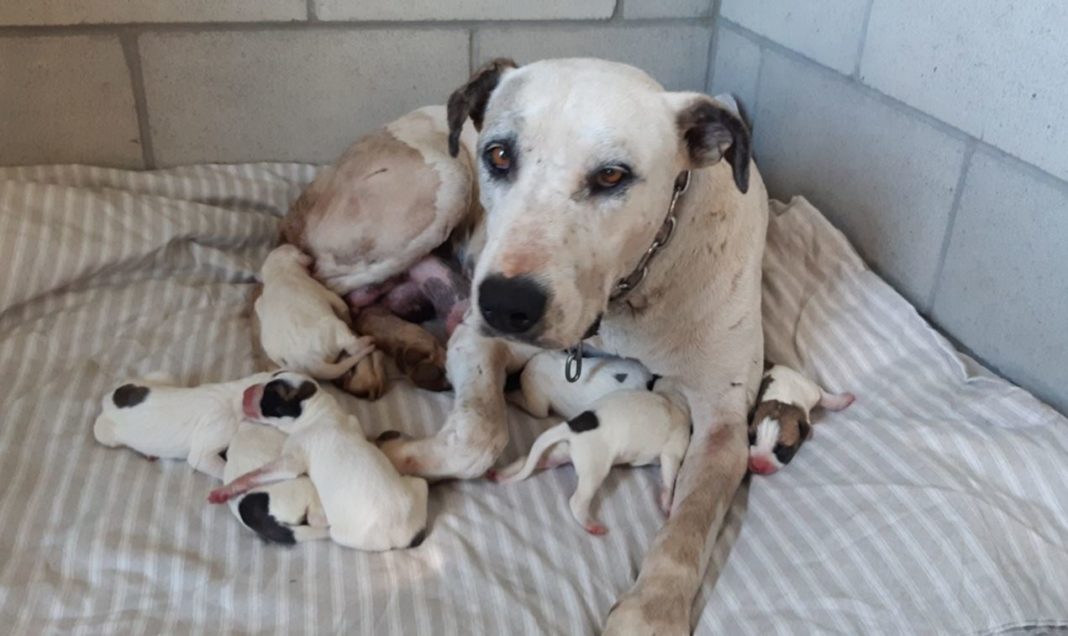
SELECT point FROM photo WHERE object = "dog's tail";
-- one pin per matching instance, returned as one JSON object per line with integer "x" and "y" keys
{"x": 545, "y": 441}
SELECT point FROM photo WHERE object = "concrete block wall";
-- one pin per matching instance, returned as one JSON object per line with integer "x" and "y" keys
{"x": 140, "y": 84}
{"x": 935, "y": 135}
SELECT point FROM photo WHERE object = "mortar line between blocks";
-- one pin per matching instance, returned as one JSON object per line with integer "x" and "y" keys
{"x": 472, "y": 51}
{"x": 863, "y": 39}
{"x": 962, "y": 179}
{"x": 131, "y": 51}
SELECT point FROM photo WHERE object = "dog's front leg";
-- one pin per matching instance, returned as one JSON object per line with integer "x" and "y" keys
{"x": 660, "y": 601}
{"x": 476, "y": 432}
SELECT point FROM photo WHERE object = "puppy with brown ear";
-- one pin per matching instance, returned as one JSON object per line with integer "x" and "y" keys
{"x": 780, "y": 421}
{"x": 367, "y": 504}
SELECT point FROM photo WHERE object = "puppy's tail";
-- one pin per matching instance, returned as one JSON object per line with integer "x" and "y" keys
{"x": 545, "y": 441}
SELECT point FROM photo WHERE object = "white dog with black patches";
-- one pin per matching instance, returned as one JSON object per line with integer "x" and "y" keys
{"x": 367, "y": 503}
{"x": 303, "y": 325}
{"x": 544, "y": 388}
{"x": 636, "y": 427}
{"x": 781, "y": 419}
{"x": 157, "y": 419}
{"x": 285, "y": 512}
{"x": 583, "y": 170}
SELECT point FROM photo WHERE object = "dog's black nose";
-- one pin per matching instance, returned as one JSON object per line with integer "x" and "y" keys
{"x": 511, "y": 305}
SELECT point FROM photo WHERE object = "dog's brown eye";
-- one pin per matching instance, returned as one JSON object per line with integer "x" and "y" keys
{"x": 498, "y": 158}
{"x": 608, "y": 177}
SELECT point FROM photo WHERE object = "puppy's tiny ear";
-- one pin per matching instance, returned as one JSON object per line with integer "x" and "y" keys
{"x": 470, "y": 99}
{"x": 712, "y": 131}
{"x": 306, "y": 390}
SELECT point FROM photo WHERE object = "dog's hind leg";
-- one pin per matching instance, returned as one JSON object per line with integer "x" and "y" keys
{"x": 592, "y": 465}
{"x": 287, "y": 466}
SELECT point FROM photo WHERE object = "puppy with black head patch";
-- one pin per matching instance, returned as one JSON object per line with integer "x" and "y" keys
{"x": 780, "y": 422}
{"x": 368, "y": 505}
{"x": 544, "y": 388}
{"x": 157, "y": 419}
{"x": 629, "y": 426}
{"x": 286, "y": 512}
{"x": 303, "y": 325}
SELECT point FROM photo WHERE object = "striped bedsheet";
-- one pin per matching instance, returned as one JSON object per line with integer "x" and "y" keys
{"x": 935, "y": 504}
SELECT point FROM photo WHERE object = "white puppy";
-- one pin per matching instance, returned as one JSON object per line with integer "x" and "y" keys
{"x": 303, "y": 325}
{"x": 780, "y": 423}
{"x": 544, "y": 388}
{"x": 285, "y": 512}
{"x": 157, "y": 419}
{"x": 367, "y": 503}
{"x": 631, "y": 426}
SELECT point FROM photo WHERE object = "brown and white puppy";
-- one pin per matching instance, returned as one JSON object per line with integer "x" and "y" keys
{"x": 781, "y": 420}
{"x": 634, "y": 427}
{"x": 304, "y": 326}
{"x": 576, "y": 164}
{"x": 158, "y": 419}
{"x": 367, "y": 504}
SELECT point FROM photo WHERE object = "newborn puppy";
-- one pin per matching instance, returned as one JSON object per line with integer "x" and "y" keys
{"x": 543, "y": 387}
{"x": 286, "y": 512}
{"x": 157, "y": 419}
{"x": 779, "y": 423}
{"x": 631, "y": 426}
{"x": 367, "y": 503}
{"x": 303, "y": 325}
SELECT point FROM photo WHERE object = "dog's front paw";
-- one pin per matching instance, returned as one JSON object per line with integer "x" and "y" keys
{"x": 638, "y": 615}
{"x": 424, "y": 365}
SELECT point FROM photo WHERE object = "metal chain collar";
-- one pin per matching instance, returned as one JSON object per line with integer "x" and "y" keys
{"x": 573, "y": 366}
{"x": 663, "y": 237}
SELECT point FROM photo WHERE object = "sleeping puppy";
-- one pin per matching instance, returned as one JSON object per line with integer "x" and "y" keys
{"x": 631, "y": 426}
{"x": 780, "y": 423}
{"x": 543, "y": 387}
{"x": 286, "y": 512}
{"x": 157, "y": 419}
{"x": 367, "y": 503}
{"x": 303, "y": 325}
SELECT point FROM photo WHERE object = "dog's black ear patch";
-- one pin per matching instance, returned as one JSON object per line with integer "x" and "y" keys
{"x": 711, "y": 133}
{"x": 129, "y": 395}
{"x": 785, "y": 453}
{"x": 255, "y": 511}
{"x": 470, "y": 99}
{"x": 620, "y": 377}
{"x": 418, "y": 539}
{"x": 385, "y": 436}
{"x": 584, "y": 421}
{"x": 306, "y": 390}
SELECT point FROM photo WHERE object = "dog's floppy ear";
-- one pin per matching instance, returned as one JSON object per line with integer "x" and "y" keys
{"x": 712, "y": 131}
{"x": 470, "y": 99}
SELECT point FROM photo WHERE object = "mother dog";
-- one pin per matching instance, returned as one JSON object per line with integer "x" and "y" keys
{"x": 563, "y": 180}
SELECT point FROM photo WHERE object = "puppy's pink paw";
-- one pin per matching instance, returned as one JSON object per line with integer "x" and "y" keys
{"x": 596, "y": 529}
{"x": 218, "y": 496}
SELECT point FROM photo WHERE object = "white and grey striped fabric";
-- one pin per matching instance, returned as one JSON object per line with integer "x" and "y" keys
{"x": 936, "y": 504}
